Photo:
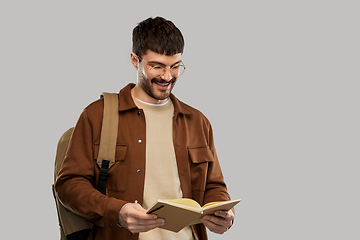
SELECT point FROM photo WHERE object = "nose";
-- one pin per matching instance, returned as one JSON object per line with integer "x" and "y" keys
{"x": 167, "y": 75}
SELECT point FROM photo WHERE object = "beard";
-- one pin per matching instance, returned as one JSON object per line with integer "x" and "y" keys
{"x": 151, "y": 89}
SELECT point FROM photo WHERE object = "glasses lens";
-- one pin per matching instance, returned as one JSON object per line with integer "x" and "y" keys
{"x": 177, "y": 70}
{"x": 157, "y": 70}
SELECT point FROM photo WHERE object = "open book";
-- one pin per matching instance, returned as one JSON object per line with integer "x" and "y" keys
{"x": 179, "y": 213}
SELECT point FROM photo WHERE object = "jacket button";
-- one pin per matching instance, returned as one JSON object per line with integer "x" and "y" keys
{"x": 138, "y": 171}
{"x": 139, "y": 112}
{"x": 139, "y": 141}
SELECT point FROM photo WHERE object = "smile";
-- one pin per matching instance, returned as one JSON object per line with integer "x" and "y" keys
{"x": 163, "y": 84}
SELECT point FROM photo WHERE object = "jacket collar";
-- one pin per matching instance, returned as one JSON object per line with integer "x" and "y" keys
{"x": 126, "y": 102}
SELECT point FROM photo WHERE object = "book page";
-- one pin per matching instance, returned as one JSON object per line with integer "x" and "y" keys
{"x": 183, "y": 203}
{"x": 211, "y": 204}
{"x": 224, "y": 206}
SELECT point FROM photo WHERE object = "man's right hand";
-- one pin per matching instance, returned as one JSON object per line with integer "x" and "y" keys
{"x": 134, "y": 218}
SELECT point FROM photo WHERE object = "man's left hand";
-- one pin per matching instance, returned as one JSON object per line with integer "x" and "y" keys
{"x": 220, "y": 222}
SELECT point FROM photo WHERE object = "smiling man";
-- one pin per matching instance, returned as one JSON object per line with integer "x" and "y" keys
{"x": 165, "y": 150}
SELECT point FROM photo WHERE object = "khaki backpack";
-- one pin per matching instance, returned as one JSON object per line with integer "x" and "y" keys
{"x": 72, "y": 226}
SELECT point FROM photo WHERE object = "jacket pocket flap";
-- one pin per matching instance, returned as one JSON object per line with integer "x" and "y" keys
{"x": 201, "y": 154}
{"x": 120, "y": 153}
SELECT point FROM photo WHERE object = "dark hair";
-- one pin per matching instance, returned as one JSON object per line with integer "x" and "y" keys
{"x": 158, "y": 35}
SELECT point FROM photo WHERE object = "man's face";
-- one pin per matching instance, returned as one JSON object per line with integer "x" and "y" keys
{"x": 156, "y": 86}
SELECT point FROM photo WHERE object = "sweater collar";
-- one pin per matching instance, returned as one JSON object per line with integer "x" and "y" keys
{"x": 126, "y": 102}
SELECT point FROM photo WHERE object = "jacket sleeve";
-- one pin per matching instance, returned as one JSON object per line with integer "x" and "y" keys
{"x": 215, "y": 189}
{"x": 75, "y": 184}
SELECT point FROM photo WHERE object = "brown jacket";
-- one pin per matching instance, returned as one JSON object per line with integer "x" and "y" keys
{"x": 199, "y": 170}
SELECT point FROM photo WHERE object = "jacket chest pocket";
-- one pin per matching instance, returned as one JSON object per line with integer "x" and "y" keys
{"x": 200, "y": 157}
{"x": 116, "y": 180}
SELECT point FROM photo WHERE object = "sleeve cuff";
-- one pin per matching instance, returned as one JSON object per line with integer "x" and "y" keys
{"x": 112, "y": 212}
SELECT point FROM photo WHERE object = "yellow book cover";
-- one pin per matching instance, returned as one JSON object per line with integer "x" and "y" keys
{"x": 179, "y": 213}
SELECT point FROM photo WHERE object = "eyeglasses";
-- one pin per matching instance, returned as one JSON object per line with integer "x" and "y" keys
{"x": 158, "y": 69}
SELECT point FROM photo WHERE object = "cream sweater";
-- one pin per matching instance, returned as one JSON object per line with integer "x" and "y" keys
{"x": 161, "y": 173}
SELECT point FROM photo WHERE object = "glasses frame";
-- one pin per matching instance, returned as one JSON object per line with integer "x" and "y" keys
{"x": 163, "y": 67}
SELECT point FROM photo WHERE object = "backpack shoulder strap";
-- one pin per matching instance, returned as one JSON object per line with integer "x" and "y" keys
{"x": 109, "y": 129}
{"x": 108, "y": 138}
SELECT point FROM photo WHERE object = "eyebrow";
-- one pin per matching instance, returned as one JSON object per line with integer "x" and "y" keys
{"x": 160, "y": 63}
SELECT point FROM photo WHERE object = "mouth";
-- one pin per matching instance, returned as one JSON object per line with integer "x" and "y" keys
{"x": 163, "y": 84}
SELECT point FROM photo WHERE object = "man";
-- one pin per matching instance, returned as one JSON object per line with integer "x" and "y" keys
{"x": 165, "y": 150}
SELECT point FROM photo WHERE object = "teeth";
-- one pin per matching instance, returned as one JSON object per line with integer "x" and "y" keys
{"x": 163, "y": 84}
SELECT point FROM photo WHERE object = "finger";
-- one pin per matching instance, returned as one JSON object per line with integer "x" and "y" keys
{"x": 140, "y": 213}
{"x": 217, "y": 224}
{"x": 134, "y": 218}
{"x": 131, "y": 213}
{"x": 225, "y": 214}
{"x": 144, "y": 225}
{"x": 138, "y": 207}
{"x": 213, "y": 227}
{"x": 218, "y": 220}
{"x": 140, "y": 222}
{"x": 143, "y": 216}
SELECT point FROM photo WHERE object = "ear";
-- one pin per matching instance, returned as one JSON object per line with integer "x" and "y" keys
{"x": 134, "y": 60}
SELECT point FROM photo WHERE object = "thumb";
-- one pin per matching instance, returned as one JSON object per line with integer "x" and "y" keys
{"x": 139, "y": 208}
{"x": 140, "y": 212}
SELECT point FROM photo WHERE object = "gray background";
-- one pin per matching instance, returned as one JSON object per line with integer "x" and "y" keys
{"x": 279, "y": 81}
